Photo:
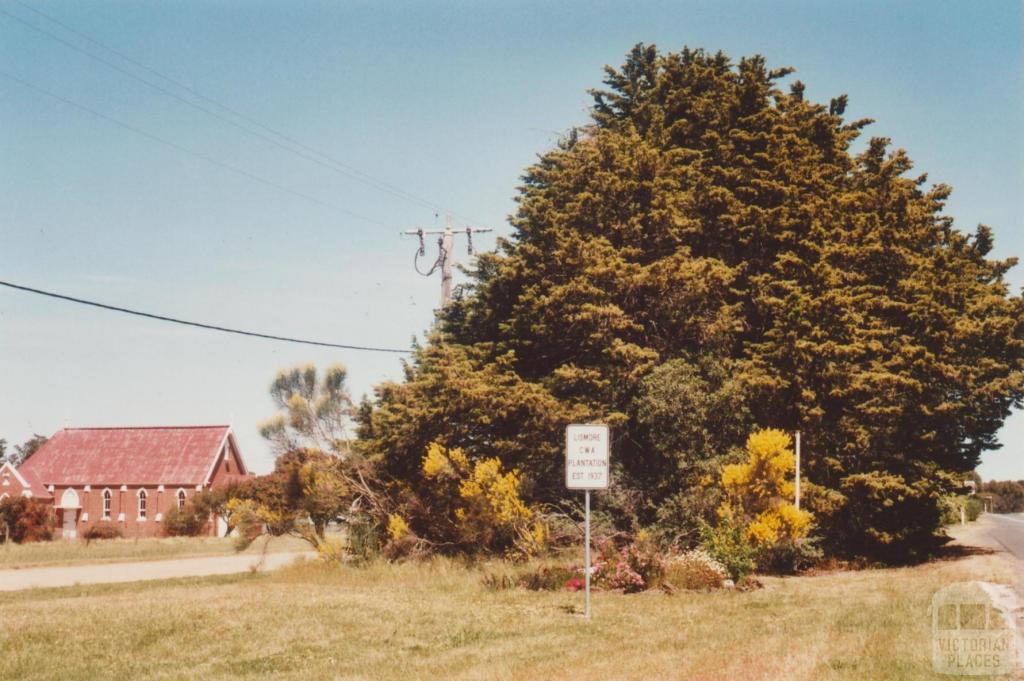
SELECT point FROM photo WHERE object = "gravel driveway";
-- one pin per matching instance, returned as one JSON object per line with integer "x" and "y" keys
{"x": 109, "y": 573}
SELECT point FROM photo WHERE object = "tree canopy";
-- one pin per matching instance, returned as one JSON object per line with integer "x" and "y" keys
{"x": 21, "y": 452}
{"x": 712, "y": 252}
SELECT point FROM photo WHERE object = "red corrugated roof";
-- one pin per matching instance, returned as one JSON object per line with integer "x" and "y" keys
{"x": 36, "y": 486}
{"x": 127, "y": 456}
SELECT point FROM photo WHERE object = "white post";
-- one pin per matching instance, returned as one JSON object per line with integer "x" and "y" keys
{"x": 963, "y": 519}
{"x": 586, "y": 554}
{"x": 797, "y": 490}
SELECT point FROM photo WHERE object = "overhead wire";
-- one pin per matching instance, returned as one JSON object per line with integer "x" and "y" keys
{"x": 211, "y": 327}
{"x": 331, "y": 163}
{"x": 442, "y": 253}
{"x": 186, "y": 150}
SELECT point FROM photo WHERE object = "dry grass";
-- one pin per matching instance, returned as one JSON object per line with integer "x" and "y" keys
{"x": 61, "y": 552}
{"x": 436, "y": 621}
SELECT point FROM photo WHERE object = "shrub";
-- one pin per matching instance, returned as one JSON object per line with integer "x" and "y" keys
{"x": 25, "y": 520}
{"x": 632, "y": 568}
{"x": 886, "y": 517}
{"x": 481, "y": 503}
{"x": 727, "y": 543}
{"x": 695, "y": 570}
{"x": 331, "y": 551}
{"x": 758, "y": 495}
{"x": 185, "y": 522}
{"x": 790, "y": 556}
{"x": 973, "y": 508}
{"x": 364, "y": 540}
{"x": 548, "y": 577}
{"x": 951, "y": 506}
{"x": 545, "y": 577}
{"x": 104, "y": 529}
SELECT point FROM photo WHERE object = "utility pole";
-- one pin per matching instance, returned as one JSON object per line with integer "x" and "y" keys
{"x": 445, "y": 255}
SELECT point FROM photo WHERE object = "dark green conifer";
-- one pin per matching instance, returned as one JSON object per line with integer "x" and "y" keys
{"x": 711, "y": 225}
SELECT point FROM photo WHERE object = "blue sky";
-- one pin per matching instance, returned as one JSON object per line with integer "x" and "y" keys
{"x": 446, "y": 101}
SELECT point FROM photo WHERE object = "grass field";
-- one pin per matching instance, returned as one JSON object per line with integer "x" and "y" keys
{"x": 60, "y": 552}
{"x": 437, "y": 621}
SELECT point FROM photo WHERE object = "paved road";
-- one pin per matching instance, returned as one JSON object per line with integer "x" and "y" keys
{"x": 1007, "y": 530}
{"x": 1004, "y": 533}
{"x": 108, "y": 573}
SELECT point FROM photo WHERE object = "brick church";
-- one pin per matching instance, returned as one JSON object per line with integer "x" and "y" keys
{"x": 130, "y": 477}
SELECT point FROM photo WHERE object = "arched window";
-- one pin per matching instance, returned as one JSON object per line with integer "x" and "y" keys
{"x": 181, "y": 499}
{"x": 142, "y": 504}
{"x": 107, "y": 496}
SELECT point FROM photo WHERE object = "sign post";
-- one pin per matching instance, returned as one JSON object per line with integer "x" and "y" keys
{"x": 586, "y": 468}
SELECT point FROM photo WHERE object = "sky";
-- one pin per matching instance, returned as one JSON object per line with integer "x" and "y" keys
{"x": 116, "y": 191}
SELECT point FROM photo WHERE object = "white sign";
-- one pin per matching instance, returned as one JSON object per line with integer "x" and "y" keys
{"x": 586, "y": 456}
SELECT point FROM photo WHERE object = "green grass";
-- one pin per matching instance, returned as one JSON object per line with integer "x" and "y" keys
{"x": 61, "y": 552}
{"x": 436, "y": 621}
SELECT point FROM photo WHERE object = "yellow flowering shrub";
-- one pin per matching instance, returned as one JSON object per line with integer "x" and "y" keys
{"x": 495, "y": 495}
{"x": 439, "y": 463}
{"x": 246, "y": 513}
{"x": 331, "y": 551}
{"x": 397, "y": 527}
{"x": 766, "y": 474}
{"x": 759, "y": 497}
{"x": 782, "y": 523}
{"x": 484, "y": 500}
{"x": 532, "y": 539}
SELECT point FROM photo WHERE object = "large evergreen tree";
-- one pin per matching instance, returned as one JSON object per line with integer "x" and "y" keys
{"x": 709, "y": 254}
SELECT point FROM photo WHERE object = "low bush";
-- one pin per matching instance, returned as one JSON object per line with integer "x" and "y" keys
{"x": 104, "y": 529}
{"x": 951, "y": 509}
{"x": 632, "y": 568}
{"x": 363, "y": 540}
{"x": 727, "y": 543}
{"x": 185, "y": 522}
{"x": 549, "y": 577}
{"x": 25, "y": 520}
{"x": 890, "y": 518}
{"x": 789, "y": 557}
{"x": 694, "y": 570}
{"x": 504, "y": 575}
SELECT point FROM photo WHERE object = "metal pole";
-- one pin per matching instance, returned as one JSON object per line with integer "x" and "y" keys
{"x": 586, "y": 554}
{"x": 797, "y": 470}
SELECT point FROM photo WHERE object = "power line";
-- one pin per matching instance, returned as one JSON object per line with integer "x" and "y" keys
{"x": 186, "y": 150}
{"x": 331, "y": 164}
{"x": 200, "y": 325}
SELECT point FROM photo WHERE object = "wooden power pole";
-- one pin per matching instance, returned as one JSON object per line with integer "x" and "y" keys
{"x": 445, "y": 254}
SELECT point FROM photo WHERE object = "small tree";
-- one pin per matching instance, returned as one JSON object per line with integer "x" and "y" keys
{"x": 319, "y": 477}
{"x": 21, "y": 452}
{"x": 314, "y": 412}
{"x": 25, "y": 520}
